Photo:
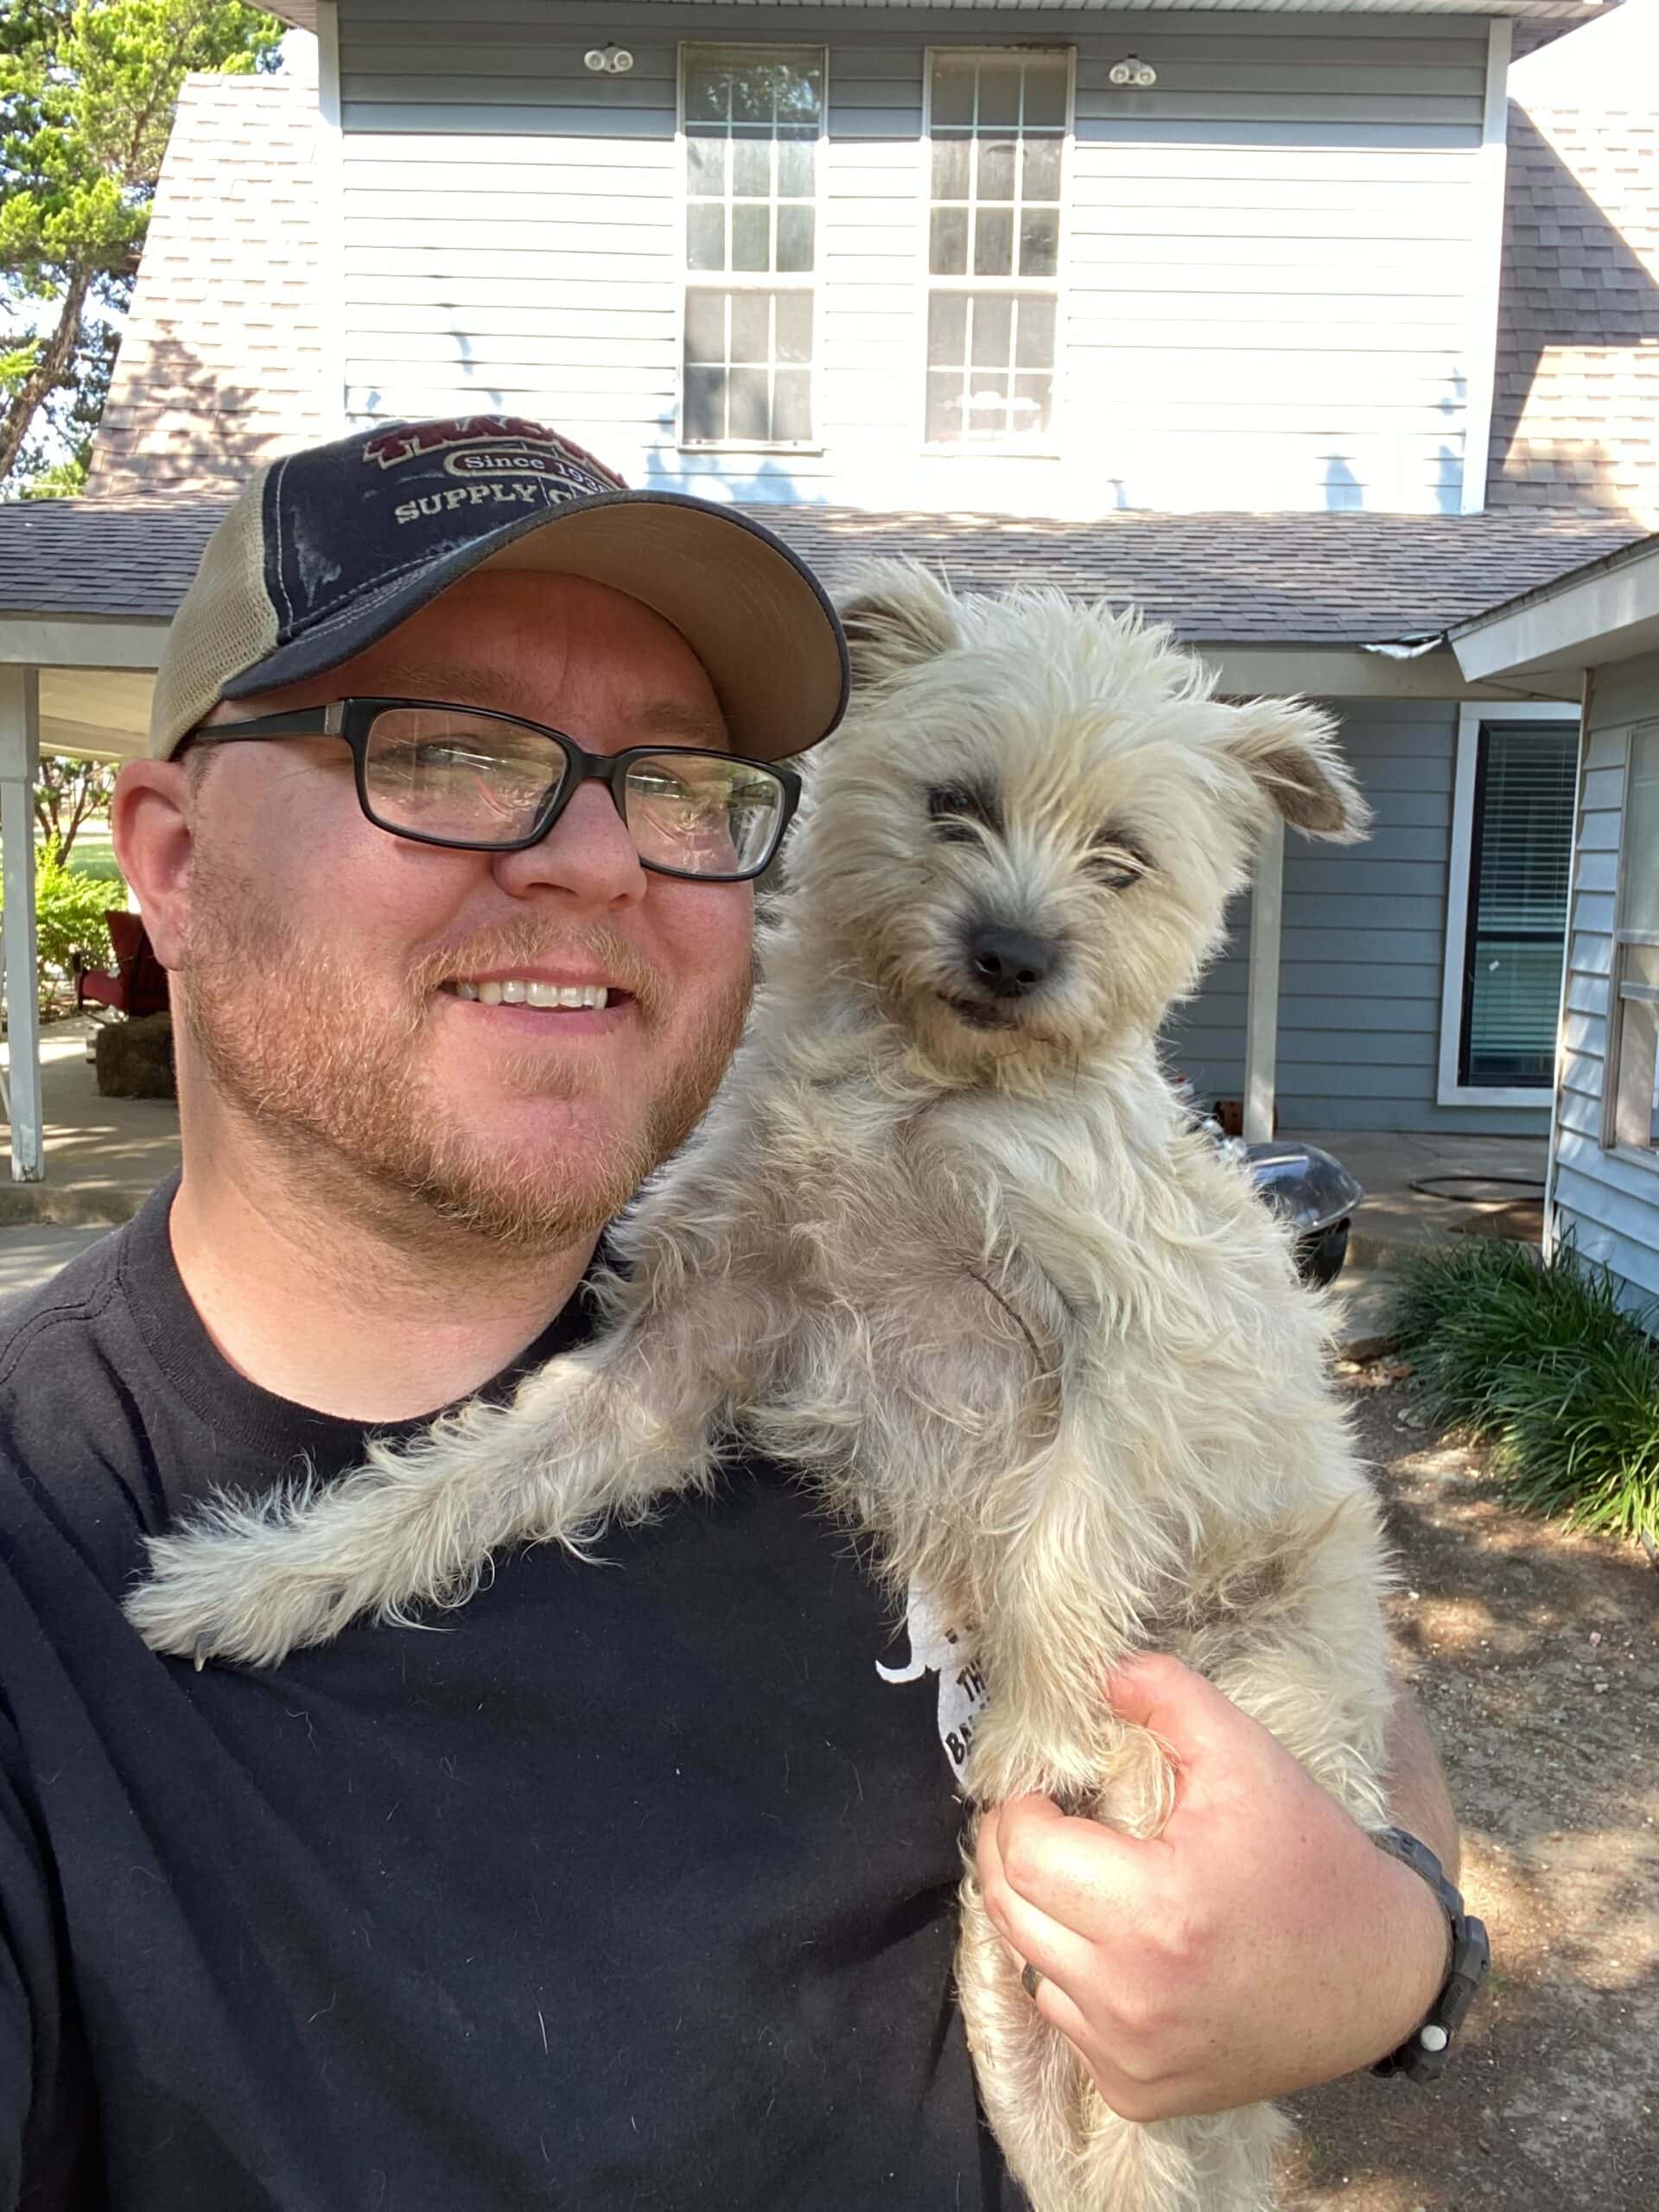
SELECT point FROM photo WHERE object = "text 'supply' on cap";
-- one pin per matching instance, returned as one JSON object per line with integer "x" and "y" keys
{"x": 327, "y": 550}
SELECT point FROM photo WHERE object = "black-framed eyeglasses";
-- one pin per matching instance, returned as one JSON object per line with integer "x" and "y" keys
{"x": 441, "y": 774}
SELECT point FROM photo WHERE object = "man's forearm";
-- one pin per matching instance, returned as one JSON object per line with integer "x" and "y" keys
{"x": 1418, "y": 1796}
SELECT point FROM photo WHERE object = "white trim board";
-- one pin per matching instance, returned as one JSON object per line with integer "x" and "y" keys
{"x": 331, "y": 225}
{"x": 1448, "y": 1090}
{"x": 81, "y": 641}
{"x": 1582, "y": 621}
{"x": 1480, "y": 343}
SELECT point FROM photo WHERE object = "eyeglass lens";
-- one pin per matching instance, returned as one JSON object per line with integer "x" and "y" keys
{"x": 441, "y": 773}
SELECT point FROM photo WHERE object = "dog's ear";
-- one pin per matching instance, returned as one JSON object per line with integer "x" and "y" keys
{"x": 1290, "y": 751}
{"x": 895, "y": 616}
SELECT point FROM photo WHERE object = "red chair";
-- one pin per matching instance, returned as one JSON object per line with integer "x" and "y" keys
{"x": 139, "y": 983}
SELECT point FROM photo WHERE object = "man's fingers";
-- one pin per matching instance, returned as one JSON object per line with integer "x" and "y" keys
{"x": 1062, "y": 1882}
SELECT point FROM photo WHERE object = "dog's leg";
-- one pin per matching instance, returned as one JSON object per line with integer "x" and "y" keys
{"x": 600, "y": 1433}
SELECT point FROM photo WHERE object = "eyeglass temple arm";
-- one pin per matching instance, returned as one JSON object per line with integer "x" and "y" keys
{"x": 303, "y": 721}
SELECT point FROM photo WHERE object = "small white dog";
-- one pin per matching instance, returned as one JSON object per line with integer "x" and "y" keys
{"x": 948, "y": 1240}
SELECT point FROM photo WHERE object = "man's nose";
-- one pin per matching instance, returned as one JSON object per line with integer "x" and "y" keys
{"x": 588, "y": 855}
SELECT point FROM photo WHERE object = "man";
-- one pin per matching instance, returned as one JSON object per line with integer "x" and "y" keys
{"x": 632, "y": 1886}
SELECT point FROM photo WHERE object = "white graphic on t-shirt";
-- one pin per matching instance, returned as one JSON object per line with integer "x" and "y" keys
{"x": 937, "y": 1649}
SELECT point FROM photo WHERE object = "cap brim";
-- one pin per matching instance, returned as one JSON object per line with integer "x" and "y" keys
{"x": 754, "y": 613}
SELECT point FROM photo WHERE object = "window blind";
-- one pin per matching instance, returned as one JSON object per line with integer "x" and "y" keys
{"x": 1522, "y": 860}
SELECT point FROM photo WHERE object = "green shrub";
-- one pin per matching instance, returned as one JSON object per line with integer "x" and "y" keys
{"x": 1542, "y": 1363}
{"x": 69, "y": 910}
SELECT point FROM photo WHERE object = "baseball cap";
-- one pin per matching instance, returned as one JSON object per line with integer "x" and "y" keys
{"x": 327, "y": 550}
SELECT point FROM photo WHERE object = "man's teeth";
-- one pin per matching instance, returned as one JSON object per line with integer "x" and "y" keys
{"x": 522, "y": 991}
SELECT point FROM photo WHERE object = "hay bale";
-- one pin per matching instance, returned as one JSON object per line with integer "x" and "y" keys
{"x": 135, "y": 1059}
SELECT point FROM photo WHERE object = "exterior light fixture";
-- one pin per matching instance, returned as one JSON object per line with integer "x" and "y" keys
{"x": 1131, "y": 72}
{"x": 609, "y": 60}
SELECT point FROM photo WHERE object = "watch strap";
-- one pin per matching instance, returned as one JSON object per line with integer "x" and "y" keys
{"x": 1424, "y": 2054}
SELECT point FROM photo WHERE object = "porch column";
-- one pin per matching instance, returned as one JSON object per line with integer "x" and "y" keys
{"x": 20, "y": 763}
{"x": 1261, "y": 1006}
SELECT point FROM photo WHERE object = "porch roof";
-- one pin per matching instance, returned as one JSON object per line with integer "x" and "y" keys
{"x": 1328, "y": 579}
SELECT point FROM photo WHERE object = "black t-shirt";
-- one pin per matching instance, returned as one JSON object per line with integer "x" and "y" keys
{"x": 633, "y": 1886}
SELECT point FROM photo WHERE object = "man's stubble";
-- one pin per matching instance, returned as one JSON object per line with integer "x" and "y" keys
{"x": 327, "y": 1073}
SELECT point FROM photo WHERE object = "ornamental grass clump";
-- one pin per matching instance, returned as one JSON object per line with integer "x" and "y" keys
{"x": 1538, "y": 1360}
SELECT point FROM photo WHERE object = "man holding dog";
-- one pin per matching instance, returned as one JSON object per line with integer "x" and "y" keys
{"x": 634, "y": 1884}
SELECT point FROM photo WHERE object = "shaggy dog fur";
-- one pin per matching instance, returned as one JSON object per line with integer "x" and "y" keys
{"x": 948, "y": 1240}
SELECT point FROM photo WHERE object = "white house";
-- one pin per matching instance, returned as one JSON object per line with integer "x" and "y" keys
{"x": 1236, "y": 313}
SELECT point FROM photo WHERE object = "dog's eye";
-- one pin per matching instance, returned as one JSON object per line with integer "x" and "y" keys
{"x": 953, "y": 806}
{"x": 1118, "y": 864}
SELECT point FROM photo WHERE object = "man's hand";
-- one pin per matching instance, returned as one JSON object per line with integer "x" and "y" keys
{"x": 1261, "y": 1943}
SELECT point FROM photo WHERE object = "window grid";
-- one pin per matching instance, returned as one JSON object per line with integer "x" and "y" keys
{"x": 995, "y": 207}
{"x": 753, "y": 122}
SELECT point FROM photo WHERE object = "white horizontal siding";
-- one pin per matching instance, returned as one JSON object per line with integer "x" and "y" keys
{"x": 1606, "y": 1204}
{"x": 1267, "y": 263}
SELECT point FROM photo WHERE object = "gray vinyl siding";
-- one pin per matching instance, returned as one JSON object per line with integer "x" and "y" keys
{"x": 1361, "y": 955}
{"x": 1606, "y": 1202}
{"x": 1268, "y": 261}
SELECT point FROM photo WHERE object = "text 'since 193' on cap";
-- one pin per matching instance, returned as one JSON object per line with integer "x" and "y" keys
{"x": 327, "y": 550}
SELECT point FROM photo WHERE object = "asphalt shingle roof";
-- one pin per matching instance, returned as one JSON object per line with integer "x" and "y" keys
{"x": 1309, "y": 579}
{"x": 1575, "y": 404}
{"x": 220, "y": 365}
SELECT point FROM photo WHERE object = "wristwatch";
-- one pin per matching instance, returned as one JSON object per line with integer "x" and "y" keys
{"x": 1423, "y": 2056}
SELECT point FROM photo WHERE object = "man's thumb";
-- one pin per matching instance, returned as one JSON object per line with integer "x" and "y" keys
{"x": 1189, "y": 1715}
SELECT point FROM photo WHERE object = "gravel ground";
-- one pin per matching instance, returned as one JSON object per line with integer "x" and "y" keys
{"x": 1536, "y": 1656}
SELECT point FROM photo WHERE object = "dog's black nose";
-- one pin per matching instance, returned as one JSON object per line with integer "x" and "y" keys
{"x": 1009, "y": 963}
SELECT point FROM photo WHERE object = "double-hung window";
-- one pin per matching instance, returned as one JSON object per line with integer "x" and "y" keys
{"x": 1633, "y": 1033}
{"x": 752, "y": 120}
{"x": 997, "y": 125}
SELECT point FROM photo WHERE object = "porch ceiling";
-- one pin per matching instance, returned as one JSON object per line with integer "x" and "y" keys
{"x": 99, "y": 714}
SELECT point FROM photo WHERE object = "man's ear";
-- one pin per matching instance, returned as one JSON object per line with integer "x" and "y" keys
{"x": 895, "y": 616}
{"x": 1289, "y": 751}
{"x": 150, "y": 819}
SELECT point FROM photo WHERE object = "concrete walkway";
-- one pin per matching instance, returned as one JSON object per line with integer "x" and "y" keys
{"x": 104, "y": 1156}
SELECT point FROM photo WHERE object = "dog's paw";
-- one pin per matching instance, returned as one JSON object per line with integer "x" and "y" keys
{"x": 214, "y": 1595}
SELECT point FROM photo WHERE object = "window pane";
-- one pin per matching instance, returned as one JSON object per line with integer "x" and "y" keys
{"x": 1042, "y": 177}
{"x": 708, "y": 92}
{"x": 751, "y": 326}
{"x": 993, "y": 321}
{"x": 947, "y": 330}
{"x": 996, "y": 168}
{"x": 1035, "y": 344}
{"x": 751, "y": 168}
{"x": 1039, "y": 242}
{"x": 951, "y": 168}
{"x": 988, "y": 410}
{"x": 948, "y": 252}
{"x": 705, "y": 234}
{"x": 791, "y": 409}
{"x": 794, "y": 327}
{"x": 751, "y": 237}
{"x": 1045, "y": 92}
{"x": 1635, "y": 1108}
{"x": 994, "y": 242}
{"x": 953, "y": 91}
{"x": 704, "y": 410}
{"x": 999, "y": 93}
{"x": 797, "y": 167}
{"x": 795, "y": 229}
{"x": 705, "y": 168}
{"x": 705, "y": 326}
{"x": 944, "y": 414}
{"x": 1640, "y": 908}
{"x": 746, "y": 412}
{"x": 1518, "y": 911}
{"x": 1032, "y": 396}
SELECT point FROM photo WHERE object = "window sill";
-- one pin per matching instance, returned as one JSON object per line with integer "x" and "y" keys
{"x": 800, "y": 452}
{"x": 1539, "y": 1096}
{"x": 1635, "y": 1156}
{"x": 990, "y": 453}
